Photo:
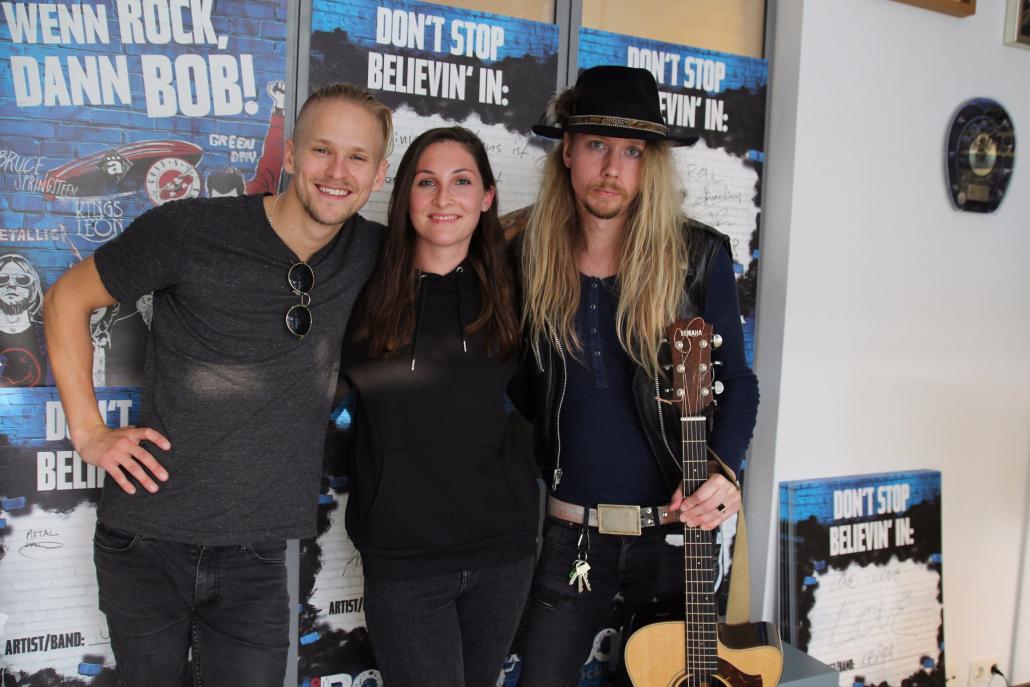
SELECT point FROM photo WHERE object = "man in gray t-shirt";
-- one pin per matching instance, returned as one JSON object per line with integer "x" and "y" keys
{"x": 251, "y": 298}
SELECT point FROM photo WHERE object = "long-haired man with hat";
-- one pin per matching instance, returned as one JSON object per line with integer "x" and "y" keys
{"x": 608, "y": 262}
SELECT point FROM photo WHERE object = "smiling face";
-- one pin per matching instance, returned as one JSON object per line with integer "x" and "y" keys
{"x": 336, "y": 160}
{"x": 447, "y": 197}
{"x": 605, "y": 172}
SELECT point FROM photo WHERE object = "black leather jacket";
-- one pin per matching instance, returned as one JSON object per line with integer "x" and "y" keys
{"x": 541, "y": 389}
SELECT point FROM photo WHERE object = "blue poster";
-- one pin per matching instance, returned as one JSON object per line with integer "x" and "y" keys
{"x": 720, "y": 98}
{"x": 52, "y": 631}
{"x": 440, "y": 66}
{"x": 860, "y": 575}
{"x": 434, "y": 66}
{"x": 109, "y": 108}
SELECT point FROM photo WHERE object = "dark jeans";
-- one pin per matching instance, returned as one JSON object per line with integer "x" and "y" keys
{"x": 563, "y": 621}
{"x": 448, "y": 630}
{"x": 228, "y": 604}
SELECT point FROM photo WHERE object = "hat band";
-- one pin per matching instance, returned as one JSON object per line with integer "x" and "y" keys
{"x": 620, "y": 122}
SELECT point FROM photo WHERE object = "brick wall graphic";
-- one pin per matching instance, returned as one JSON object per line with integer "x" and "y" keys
{"x": 107, "y": 108}
{"x": 110, "y": 108}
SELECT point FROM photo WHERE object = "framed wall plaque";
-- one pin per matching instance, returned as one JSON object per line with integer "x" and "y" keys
{"x": 1017, "y": 23}
{"x": 956, "y": 8}
{"x": 980, "y": 153}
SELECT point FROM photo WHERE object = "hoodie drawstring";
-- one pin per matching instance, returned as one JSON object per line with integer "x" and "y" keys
{"x": 461, "y": 319}
{"x": 418, "y": 317}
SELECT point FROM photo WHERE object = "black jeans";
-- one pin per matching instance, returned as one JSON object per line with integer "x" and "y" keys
{"x": 563, "y": 621}
{"x": 449, "y": 630}
{"x": 228, "y": 604}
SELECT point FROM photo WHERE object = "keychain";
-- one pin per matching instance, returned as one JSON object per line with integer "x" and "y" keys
{"x": 580, "y": 569}
{"x": 580, "y": 566}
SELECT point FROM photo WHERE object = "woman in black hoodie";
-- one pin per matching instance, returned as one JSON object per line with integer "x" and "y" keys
{"x": 442, "y": 509}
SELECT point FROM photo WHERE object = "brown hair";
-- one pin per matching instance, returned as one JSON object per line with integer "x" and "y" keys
{"x": 358, "y": 96}
{"x": 387, "y": 312}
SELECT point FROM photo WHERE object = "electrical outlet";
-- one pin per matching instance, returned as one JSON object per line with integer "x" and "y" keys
{"x": 980, "y": 671}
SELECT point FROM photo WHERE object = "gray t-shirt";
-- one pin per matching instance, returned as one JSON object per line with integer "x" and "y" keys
{"x": 244, "y": 402}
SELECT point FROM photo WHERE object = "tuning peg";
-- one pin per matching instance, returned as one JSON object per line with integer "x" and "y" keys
{"x": 716, "y": 341}
{"x": 717, "y": 363}
{"x": 719, "y": 387}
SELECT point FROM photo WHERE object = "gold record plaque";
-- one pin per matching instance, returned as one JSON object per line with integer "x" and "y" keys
{"x": 981, "y": 151}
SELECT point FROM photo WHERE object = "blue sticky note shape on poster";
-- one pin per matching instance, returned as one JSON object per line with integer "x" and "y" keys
{"x": 90, "y": 668}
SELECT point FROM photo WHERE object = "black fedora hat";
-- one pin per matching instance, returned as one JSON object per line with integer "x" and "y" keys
{"x": 620, "y": 102}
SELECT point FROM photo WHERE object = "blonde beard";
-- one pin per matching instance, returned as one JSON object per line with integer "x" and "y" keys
{"x": 600, "y": 214}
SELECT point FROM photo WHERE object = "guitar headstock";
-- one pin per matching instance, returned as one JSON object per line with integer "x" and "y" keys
{"x": 693, "y": 386}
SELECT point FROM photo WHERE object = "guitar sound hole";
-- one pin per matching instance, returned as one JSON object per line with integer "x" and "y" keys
{"x": 713, "y": 681}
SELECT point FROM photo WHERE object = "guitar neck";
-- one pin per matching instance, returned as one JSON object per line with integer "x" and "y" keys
{"x": 701, "y": 613}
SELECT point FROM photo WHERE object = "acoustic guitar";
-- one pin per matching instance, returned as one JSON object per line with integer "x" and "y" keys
{"x": 700, "y": 652}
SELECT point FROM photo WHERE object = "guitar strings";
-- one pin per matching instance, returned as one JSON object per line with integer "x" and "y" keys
{"x": 700, "y": 613}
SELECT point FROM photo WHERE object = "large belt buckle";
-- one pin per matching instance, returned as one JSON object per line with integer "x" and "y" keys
{"x": 618, "y": 519}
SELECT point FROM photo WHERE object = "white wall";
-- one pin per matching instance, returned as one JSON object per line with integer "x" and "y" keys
{"x": 894, "y": 331}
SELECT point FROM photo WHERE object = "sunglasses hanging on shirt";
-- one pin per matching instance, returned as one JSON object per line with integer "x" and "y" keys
{"x": 298, "y": 318}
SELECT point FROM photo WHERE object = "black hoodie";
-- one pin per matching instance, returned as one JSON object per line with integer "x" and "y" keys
{"x": 436, "y": 486}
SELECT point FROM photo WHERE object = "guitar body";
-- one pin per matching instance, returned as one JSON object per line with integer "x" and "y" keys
{"x": 749, "y": 655}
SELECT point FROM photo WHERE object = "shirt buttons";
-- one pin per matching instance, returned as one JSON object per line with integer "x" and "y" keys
{"x": 593, "y": 306}
{"x": 594, "y": 284}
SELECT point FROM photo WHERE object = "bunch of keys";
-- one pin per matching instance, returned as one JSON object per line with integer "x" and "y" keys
{"x": 578, "y": 576}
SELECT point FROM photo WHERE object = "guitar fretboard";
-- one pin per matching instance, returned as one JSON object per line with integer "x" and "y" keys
{"x": 701, "y": 615}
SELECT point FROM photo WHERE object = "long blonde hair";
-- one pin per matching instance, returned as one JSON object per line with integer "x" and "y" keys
{"x": 652, "y": 260}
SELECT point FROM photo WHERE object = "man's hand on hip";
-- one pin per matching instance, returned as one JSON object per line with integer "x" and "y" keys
{"x": 118, "y": 451}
